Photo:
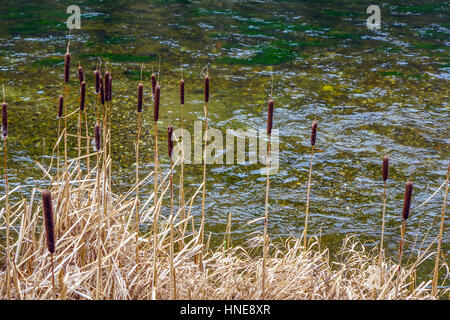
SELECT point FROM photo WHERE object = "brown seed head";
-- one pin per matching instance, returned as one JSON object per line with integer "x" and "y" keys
{"x": 102, "y": 91}
{"x": 140, "y": 97}
{"x": 385, "y": 168}
{"x": 48, "y": 219}
{"x": 206, "y": 88}
{"x": 153, "y": 83}
{"x": 407, "y": 199}
{"x": 110, "y": 88}
{"x": 169, "y": 140}
{"x": 97, "y": 137}
{"x": 5, "y": 119}
{"x": 97, "y": 81}
{"x": 82, "y": 95}
{"x": 60, "y": 106}
{"x": 313, "y": 133}
{"x": 269, "y": 116}
{"x": 67, "y": 67}
{"x": 182, "y": 92}
{"x": 156, "y": 103}
{"x": 106, "y": 85}
{"x": 80, "y": 74}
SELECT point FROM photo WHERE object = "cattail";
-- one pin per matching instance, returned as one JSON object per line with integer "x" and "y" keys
{"x": 102, "y": 91}
{"x": 385, "y": 168}
{"x": 269, "y": 117}
{"x": 182, "y": 91}
{"x": 97, "y": 137}
{"x": 109, "y": 88}
{"x": 140, "y": 97}
{"x": 97, "y": 81}
{"x": 60, "y": 106}
{"x": 169, "y": 140}
{"x": 48, "y": 219}
{"x": 156, "y": 103}
{"x": 106, "y": 85}
{"x": 67, "y": 67}
{"x": 206, "y": 88}
{"x": 313, "y": 133}
{"x": 82, "y": 95}
{"x": 5, "y": 119}
{"x": 153, "y": 83}
{"x": 407, "y": 199}
{"x": 80, "y": 74}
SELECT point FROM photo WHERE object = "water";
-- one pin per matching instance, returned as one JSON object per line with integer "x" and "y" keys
{"x": 372, "y": 92}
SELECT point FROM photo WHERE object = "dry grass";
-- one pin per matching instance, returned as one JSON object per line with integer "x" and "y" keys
{"x": 292, "y": 271}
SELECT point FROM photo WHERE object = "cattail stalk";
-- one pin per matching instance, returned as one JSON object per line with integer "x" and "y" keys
{"x": 172, "y": 269}
{"x": 313, "y": 143}
{"x": 66, "y": 90}
{"x": 59, "y": 116}
{"x": 405, "y": 215}
{"x": 49, "y": 228}
{"x": 97, "y": 136}
{"x": 4, "y": 134}
{"x": 182, "y": 199}
{"x": 385, "y": 177}
{"x": 140, "y": 101}
{"x": 202, "y": 225}
{"x": 270, "y": 106}
{"x": 441, "y": 232}
{"x": 80, "y": 117}
{"x": 156, "y": 104}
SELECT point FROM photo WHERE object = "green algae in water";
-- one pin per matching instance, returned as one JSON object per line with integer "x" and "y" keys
{"x": 270, "y": 55}
{"x": 49, "y": 62}
{"x": 121, "y": 57}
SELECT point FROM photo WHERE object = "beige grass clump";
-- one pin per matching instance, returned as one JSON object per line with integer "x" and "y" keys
{"x": 292, "y": 271}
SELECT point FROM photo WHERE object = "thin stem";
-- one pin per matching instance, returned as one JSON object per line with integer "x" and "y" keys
{"x": 307, "y": 197}
{"x": 441, "y": 231}
{"x": 266, "y": 216}
{"x": 400, "y": 253}
{"x": 8, "y": 213}
{"x": 381, "y": 256}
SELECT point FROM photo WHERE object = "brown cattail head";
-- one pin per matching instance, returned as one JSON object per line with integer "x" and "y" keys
{"x": 60, "y": 106}
{"x": 4, "y": 119}
{"x": 67, "y": 67}
{"x": 80, "y": 74}
{"x": 97, "y": 137}
{"x": 82, "y": 95}
{"x": 156, "y": 103}
{"x": 206, "y": 88}
{"x": 110, "y": 88}
{"x": 182, "y": 92}
{"x": 314, "y": 133}
{"x": 48, "y": 219}
{"x": 106, "y": 85}
{"x": 153, "y": 83}
{"x": 169, "y": 140}
{"x": 140, "y": 97}
{"x": 97, "y": 81}
{"x": 102, "y": 91}
{"x": 269, "y": 116}
{"x": 407, "y": 199}
{"x": 385, "y": 168}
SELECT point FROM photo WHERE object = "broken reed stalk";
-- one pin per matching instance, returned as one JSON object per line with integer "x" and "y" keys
{"x": 97, "y": 136}
{"x": 108, "y": 123}
{"x": 202, "y": 225}
{"x": 385, "y": 177}
{"x": 156, "y": 104}
{"x": 140, "y": 101}
{"x": 49, "y": 228}
{"x": 266, "y": 207}
{"x": 441, "y": 232}
{"x": 405, "y": 215}
{"x": 172, "y": 269}
{"x": 4, "y": 134}
{"x": 313, "y": 143}
{"x": 182, "y": 199}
